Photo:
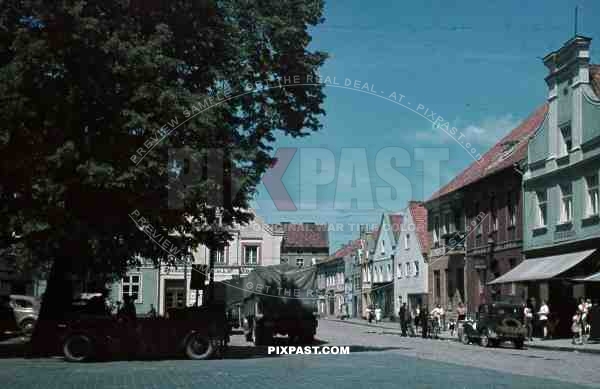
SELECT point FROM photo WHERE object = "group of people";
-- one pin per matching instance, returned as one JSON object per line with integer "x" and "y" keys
{"x": 581, "y": 322}
{"x": 420, "y": 319}
{"x": 543, "y": 314}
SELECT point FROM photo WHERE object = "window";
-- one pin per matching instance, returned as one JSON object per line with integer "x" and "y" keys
{"x": 542, "y": 204}
{"x": 132, "y": 285}
{"x": 446, "y": 227}
{"x": 459, "y": 224}
{"x": 407, "y": 241}
{"x": 407, "y": 269}
{"x": 219, "y": 256}
{"x": 300, "y": 262}
{"x": 250, "y": 255}
{"x": 399, "y": 270}
{"x": 592, "y": 195}
{"x": 478, "y": 223}
{"x": 512, "y": 210}
{"x": 565, "y": 140}
{"x": 566, "y": 211}
{"x": 436, "y": 232}
{"x": 389, "y": 271}
{"x": 493, "y": 215}
{"x": 416, "y": 268}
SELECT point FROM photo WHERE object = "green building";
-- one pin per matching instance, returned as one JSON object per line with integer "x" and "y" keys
{"x": 561, "y": 234}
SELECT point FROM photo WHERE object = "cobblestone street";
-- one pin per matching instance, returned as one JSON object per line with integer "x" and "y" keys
{"x": 377, "y": 359}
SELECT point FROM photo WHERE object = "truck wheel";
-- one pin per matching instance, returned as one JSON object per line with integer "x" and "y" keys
{"x": 78, "y": 348}
{"x": 465, "y": 338}
{"x": 198, "y": 347}
{"x": 27, "y": 326}
{"x": 484, "y": 340}
{"x": 518, "y": 343}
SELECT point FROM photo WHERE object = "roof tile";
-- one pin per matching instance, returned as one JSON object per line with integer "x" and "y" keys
{"x": 498, "y": 157}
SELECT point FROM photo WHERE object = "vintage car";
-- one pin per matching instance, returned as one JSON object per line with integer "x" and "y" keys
{"x": 495, "y": 323}
{"x": 195, "y": 332}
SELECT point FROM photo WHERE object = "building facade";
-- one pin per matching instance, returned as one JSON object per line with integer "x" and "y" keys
{"x": 253, "y": 244}
{"x": 560, "y": 186}
{"x": 331, "y": 283}
{"x": 446, "y": 232}
{"x": 384, "y": 263}
{"x": 412, "y": 249}
{"x": 304, "y": 244}
{"x": 365, "y": 253}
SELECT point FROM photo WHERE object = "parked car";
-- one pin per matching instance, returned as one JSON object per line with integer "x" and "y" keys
{"x": 8, "y": 324}
{"x": 495, "y": 323}
{"x": 26, "y": 310}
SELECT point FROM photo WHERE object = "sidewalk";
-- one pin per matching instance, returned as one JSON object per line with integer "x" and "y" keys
{"x": 554, "y": 344}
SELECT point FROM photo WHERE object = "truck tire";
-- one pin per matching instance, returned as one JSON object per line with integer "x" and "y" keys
{"x": 199, "y": 347}
{"x": 78, "y": 348}
{"x": 518, "y": 343}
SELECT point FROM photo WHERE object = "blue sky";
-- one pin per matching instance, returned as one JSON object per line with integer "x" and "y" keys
{"x": 477, "y": 64}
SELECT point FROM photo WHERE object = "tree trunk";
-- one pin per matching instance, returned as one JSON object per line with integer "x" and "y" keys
{"x": 55, "y": 305}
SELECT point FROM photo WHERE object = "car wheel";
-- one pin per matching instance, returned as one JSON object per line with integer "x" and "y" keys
{"x": 257, "y": 336}
{"x": 465, "y": 339}
{"x": 78, "y": 348}
{"x": 518, "y": 343}
{"x": 484, "y": 340}
{"x": 198, "y": 347}
{"x": 27, "y": 326}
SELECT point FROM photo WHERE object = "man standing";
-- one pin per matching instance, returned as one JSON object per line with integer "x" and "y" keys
{"x": 424, "y": 320}
{"x": 404, "y": 318}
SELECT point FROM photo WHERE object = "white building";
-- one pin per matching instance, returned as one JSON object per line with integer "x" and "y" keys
{"x": 410, "y": 285}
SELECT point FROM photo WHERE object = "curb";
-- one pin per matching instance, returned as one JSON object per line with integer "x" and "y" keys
{"x": 527, "y": 345}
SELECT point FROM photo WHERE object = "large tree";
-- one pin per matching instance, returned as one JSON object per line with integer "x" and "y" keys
{"x": 88, "y": 87}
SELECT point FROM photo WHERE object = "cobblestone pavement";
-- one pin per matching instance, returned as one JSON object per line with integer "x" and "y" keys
{"x": 377, "y": 359}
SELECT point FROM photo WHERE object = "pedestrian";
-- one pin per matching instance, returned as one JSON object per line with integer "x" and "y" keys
{"x": 411, "y": 321}
{"x": 543, "y": 314}
{"x": 404, "y": 319}
{"x": 436, "y": 315}
{"x": 423, "y": 320}
{"x": 370, "y": 314}
{"x": 417, "y": 318}
{"x": 461, "y": 310}
{"x": 528, "y": 314}
{"x": 377, "y": 314}
{"x": 576, "y": 328}
{"x": 588, "y": 307}
{"x": 152, "y": 312}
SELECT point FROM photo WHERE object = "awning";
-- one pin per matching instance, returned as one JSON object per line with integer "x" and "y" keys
{"x": 593, "y": 278}
{"x": 543, "y": 268}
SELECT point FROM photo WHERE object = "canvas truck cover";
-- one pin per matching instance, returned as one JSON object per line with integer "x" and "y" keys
{"x": 282, "y": 289}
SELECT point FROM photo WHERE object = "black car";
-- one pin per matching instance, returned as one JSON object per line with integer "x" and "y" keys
{"x": 495, "y": 323}
{"x": 8, "y": 323}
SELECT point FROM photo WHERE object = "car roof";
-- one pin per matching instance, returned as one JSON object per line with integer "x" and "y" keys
{"x": 23, "y": 297}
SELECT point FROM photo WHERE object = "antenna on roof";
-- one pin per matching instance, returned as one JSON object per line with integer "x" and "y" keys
{"x": 575, "y": 27}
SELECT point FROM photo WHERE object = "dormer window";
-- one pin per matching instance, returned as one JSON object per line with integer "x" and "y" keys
{"x": 565, "y": 142}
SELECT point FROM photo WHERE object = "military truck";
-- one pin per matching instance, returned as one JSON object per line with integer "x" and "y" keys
{"x": 280, "y": 300}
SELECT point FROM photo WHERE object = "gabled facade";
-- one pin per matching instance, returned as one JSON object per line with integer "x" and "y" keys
{"x": 412, "y": 249}
{"x": 384, "y": 263}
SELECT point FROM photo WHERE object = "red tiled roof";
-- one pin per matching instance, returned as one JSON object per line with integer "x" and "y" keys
{"x": 490, "y": 162}
{"x": 595, "y": 78}
{"x": 419, "y": 215}
{"x": 305, "y": 235}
